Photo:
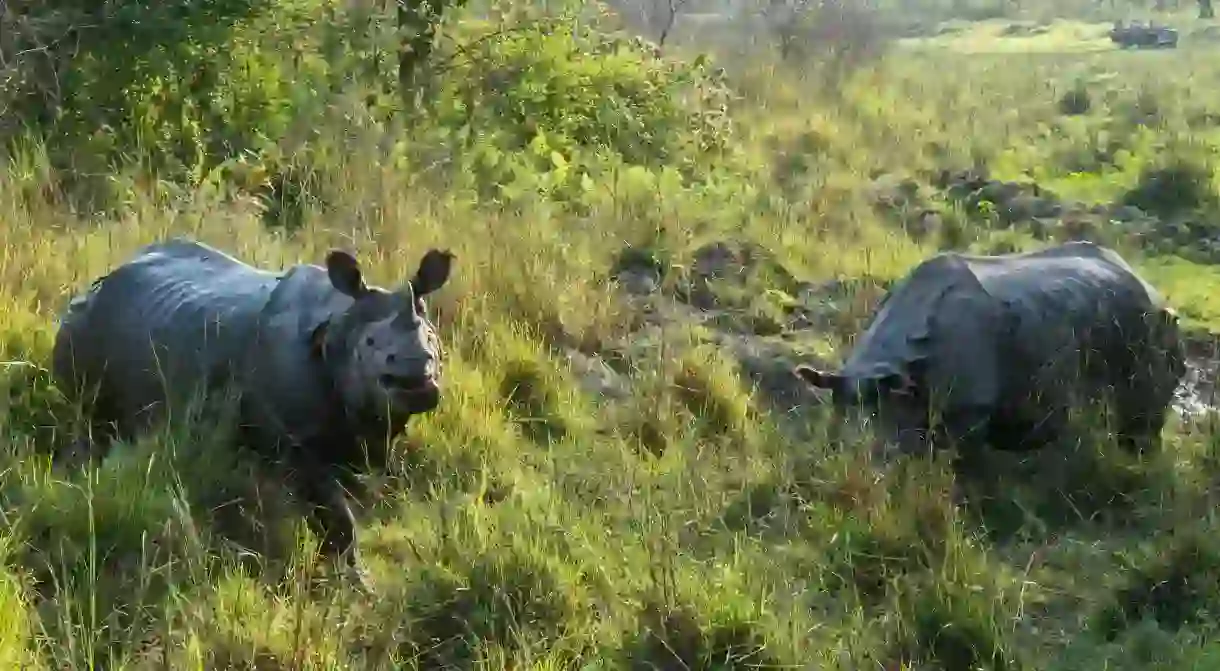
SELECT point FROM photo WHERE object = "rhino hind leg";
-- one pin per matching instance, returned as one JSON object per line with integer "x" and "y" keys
{"x": 79, "y": 378}
{"x": 103, "y": 427}
{"x": 1142, "y": 400}
{"x": 1139, "y": 422}
{"x": 1007, "y": 434}
{"x": 1141, "y": 436}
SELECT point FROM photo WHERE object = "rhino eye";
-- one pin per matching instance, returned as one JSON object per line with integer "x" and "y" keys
{"x": 389, "y": 358}
{"x": 368, "y": 341}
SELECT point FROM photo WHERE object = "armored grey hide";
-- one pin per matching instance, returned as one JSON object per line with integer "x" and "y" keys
{"x": 381, "y": 353}
{"x": 1016, "y": 338}
{"x": 171, "y": 322}
{"x": 325, "y": 365}
{"x": 181, "y": 317}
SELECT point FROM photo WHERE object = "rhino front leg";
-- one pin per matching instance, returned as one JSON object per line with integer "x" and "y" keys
{"x": 104, "y": 428}
{"x": 332, "y": 521}
{"x": 1142, "y": 404}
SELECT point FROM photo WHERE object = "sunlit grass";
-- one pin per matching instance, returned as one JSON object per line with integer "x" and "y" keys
{"x": 532, "y": 523}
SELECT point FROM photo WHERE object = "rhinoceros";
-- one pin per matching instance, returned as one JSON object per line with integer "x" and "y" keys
{"x": 1001, "y": 348}
{"x": 1139, "y": 35}
{"x": 327, "y": 368}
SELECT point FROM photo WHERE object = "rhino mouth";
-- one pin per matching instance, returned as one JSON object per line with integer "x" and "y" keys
{"x": 409, "y": 384}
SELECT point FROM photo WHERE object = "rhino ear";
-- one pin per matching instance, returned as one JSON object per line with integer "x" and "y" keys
{"x": 433, "y": 272}
{"x": 819, "y": 379}
{"x": 345, "y": 273}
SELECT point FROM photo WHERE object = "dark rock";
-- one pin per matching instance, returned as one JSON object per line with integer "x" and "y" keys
{"x": 730, "y": 275}
{"x": 1078, "y": 225}
{"x": 596, "y": 377}
{"x": 1042, "y": 228}
{"x": 768, "y": 364}
{"x": 1126, "y": 213}
{"x": 999, "y": 193}
{"x": 924, "y": 225}
{"x": 639, "y": 270}
{"x": 962, "y": 182}
{"x": 717, "y": 261}
{"x": 640, "y": 282}
{"x": 1024, "y": 207}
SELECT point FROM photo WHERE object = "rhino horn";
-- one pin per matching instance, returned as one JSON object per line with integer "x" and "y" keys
{"x": 819, "y": 379}
{"x": 406, "y": 306}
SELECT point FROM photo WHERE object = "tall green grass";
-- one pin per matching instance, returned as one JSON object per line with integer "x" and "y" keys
{"x": 529, "y": 523}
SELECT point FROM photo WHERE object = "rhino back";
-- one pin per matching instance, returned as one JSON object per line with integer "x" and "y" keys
{"x": 1076, "y": 316}
{"x": 983, "y": 325}
{"x": 1071, "y": 288}
{"x": 176, "y": 316}
{"x": 288, "y": 395}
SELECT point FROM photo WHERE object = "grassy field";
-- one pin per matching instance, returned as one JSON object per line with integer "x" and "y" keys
{"x": 621, "y": 479}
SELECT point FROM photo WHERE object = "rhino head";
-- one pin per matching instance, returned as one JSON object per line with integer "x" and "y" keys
{"x": 894, "y": 402}
{"x": 383, "y": 353}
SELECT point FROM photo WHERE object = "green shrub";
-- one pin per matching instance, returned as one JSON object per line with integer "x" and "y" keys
{"x": 1174, "y": 187}
{"x": 180, "y": 87}
{"x": 503, "y": 598}
{"x": 550, "y": 108}
{"x": 956, "y": 629}
{"x": 677, "y": 637}
{"x": 1176, "y": 586}
{"x": 1076, "y": 100}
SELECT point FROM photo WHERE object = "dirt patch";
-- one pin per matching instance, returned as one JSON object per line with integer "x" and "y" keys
{"x": 810, "y": 318}
{"x": 1197, "y": 393}
{"x": 742, "y": 298}
{"x": 1166, "y": 212}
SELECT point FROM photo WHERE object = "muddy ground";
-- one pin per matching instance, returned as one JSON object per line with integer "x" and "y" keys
{"x": 739, "y": 299}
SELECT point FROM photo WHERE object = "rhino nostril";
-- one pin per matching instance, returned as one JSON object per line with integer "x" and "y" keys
{"x": 389, "y": 358}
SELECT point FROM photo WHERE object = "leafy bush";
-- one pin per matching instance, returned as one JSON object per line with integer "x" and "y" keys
{"x": 186, "y": 88}
{"x": 956, "y": 629}
{"x": 182, "y": 80}
{"x": 1175, "y": 187}
{"x": 1176, "y": 586}
{"x": 674, "y": 637}
{"x": 1076, "y": 100}
{"x": 841, "y": 35}
{"x": 550, "y": 108}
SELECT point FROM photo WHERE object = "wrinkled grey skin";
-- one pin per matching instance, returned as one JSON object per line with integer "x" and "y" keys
{"x": 328, "y": 368}
{"x": 1003, "y": 347}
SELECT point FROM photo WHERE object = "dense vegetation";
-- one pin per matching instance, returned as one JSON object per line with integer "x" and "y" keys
{"x": 622, "y": 474}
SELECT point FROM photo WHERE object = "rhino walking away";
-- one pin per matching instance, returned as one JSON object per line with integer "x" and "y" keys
{"x": 1003, "y": 347}
{"x": 328, "y": 369}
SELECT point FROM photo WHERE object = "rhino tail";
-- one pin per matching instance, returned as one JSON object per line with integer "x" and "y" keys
{"x": 1167, "y": 336}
